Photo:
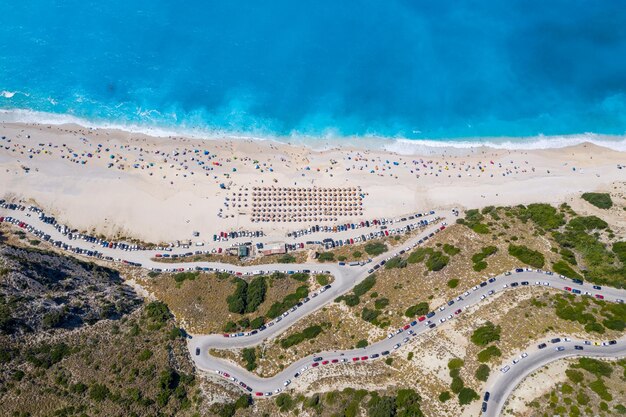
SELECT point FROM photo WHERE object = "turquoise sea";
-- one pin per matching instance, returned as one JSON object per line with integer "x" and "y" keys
{"x": 412, "y": 69}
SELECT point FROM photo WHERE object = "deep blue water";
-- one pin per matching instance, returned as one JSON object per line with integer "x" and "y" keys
{"x": 412, "y": 68}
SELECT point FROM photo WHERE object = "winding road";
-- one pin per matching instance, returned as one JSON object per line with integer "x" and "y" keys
{"x": 345, "y": 278}
{"x": 502, "y": 384}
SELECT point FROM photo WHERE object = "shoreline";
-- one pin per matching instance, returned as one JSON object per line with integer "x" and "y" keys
{"x": 394, "y": 144}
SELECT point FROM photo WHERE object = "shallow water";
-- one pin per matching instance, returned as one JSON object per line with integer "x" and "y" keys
{"x": 326, "y": 69}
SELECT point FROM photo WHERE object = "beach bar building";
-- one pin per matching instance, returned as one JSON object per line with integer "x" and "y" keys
{"x": 274, "y": 248}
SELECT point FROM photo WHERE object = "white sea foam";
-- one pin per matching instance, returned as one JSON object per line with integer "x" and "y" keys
{"x": 330, "y": 139}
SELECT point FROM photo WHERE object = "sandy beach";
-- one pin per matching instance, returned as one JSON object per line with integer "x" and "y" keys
{"x": 155, "y": 189}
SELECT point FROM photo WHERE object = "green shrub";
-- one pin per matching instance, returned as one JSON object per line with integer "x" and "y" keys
{"x": 284, "y": 402}
{"x": 287, "y": 259}
{"x": 486, "y": 354}
{"x": 619, "y": 249}
{"x": 361, "y": 343}
{"x": 249, "y": 356}
{"x": 467, "y": 395}
{"x": 445, "y": 396}
{"x": 418, "y": 255}
{"x": 563, "y": 268}
{"x": 451, "y": 249}
{"x": 437, "y": 261}
{"x": 456, "y": 385}
{"x": 486, "y": 334}
{"x": 364, "y": 286}
{"x": 396, "y": 262}
{"x": 289, "y": 301}
{"x": 255, "y": 294}
{"x": 588, "y": 223}
{"x": 527, "y": 255}
{"x": 326, "y": 256}
{"x": 575, "y": 376}
{"x": 600, "y": 200}
{"x": 99, "y": 392}
{"x": 455, "y": 363}
{"x": 310, "y": 332}
{"x": 453, "y": 283}
{"x": 357, "y": 254}
{"x": 599, "y": 388}
{"x": 322, "y": 279}
{"x": 482, "y": 372}
{"x": 596, "y": 367}
{"x": 182, "y": 276}
{"x": 381, "y": 303}
{"x": 419, "y": 309}
{"x": 369, "y": 315}
{"x": 544, "y": 215}
{"x": 300, "y": 276}
{"x": 237, "y": 300}
{"x": 375, "y": 248}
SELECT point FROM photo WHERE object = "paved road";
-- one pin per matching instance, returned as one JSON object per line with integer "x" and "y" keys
{"x": 199, "y": 346}
{"x": 345, "y": 279}
{"x": 502, "y": 384}
{"x": 33, "y": 219}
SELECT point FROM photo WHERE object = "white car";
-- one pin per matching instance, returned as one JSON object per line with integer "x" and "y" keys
{"x": 442, "y": 308}
{"x": 441, "y": 320}
{"x": 505, "y": 369}
{"x": 523, "y": 355}
{"x": 515, "y": 361}
{"x": 396, "y": 346}
{"x": 287, "y": 382}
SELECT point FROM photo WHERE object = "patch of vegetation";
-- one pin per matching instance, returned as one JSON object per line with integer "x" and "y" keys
{"x": 543, "y": 215}
{"x": 322, "y": 279}
{"x": 369, "y": 315}
{"x": 479, "y": 258}
{"x": 361, "y": 344}
{"x": 326, "y": 257}
{"x": 473, "y": 219}
{"x": 445, "y": 396}
{"x": 482, "y": 372}
{"x": 453, "y": 283}
{"x": 467, "y": 395}
{"x": 308, "y": 333}
{"x": 419, "y": 309}
{"x": 437, "y": 261}
{"x": 289, "y": 301}
{"x": 287, "y": 259}
{"x": 561, "y": 267}
{"x": 375, "y": 248}
{"x": 418, "y": 255}
{"x": 249, "y": 356}
{"x": 364, "y": 286}
{"x": 396, "y": 262}
{"x": 183, "y": 276}
{"x": 451, "y": 249}
{"x": 486, "y": 334}
{"x": 600, "y": 200}
{"x": 528, "y": 256}
{"x": 488, "y": 353}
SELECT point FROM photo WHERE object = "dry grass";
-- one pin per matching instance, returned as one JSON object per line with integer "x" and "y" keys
{"x": 200, "y": 305}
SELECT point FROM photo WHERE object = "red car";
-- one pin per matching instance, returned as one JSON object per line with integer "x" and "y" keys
{"x": 335, "y": 360}
{"x": 315, "y": 365}
{"x": 226, "y": 335}
{"x": 258, "y": 394}
{"x": 568, "y": 288}
{"x": 364, "y": 358}
{"x": 599, "y": 297}
{"x": 225, "y": 375}
{"x": 325, "y": 363}
{"x": 386, "y": 233}
{"x": 158, "y": 255}
{"x": 407, "y": 327}
{"x": 442, "y": 227}
{"x": 422, "y": 318}
{"x": 355, "y": 359}
{"x": 458, "y": 311}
